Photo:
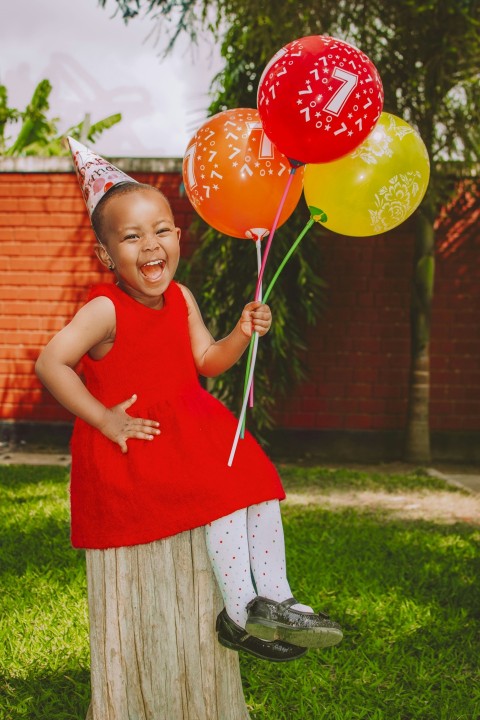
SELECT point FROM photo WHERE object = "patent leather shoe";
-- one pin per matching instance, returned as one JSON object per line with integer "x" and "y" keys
{"x": 234, "y": 637}
{"x": 271, "y": 620}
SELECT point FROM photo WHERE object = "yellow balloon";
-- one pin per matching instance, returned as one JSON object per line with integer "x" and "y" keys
{"x": 376, "y": 187}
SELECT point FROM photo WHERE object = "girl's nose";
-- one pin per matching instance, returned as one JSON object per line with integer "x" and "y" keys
{"x": 151, "y": 242}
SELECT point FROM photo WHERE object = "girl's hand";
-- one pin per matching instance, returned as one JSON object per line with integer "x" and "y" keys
{"x": 256, "y": 317}
{"x": 119, "y": 427}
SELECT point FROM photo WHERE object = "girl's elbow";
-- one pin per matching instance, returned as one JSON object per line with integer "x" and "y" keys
{"x": 43, "y": 366}
{"x": 210, "y": 373}
{"x": 39, "y": 366}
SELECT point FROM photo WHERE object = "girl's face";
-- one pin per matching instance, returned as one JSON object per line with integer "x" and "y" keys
{"x": 142, "y": 243}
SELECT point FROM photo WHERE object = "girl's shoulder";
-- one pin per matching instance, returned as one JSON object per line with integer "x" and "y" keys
{"x": 108, "y": 290}
{"x": 188, "y": 297}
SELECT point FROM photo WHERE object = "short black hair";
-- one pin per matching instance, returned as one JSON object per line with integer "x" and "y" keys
{"x": 122, "y": 188}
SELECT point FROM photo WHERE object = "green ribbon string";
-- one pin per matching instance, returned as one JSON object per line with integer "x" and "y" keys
{"x": 287, "y": 257}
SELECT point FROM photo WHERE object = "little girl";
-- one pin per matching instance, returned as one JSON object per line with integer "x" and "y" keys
{"x": 150, "y": 445}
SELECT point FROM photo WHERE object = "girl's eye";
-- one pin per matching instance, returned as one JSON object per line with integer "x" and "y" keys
{"x": 131, "y": 238}
{"x": 163, "y": 230}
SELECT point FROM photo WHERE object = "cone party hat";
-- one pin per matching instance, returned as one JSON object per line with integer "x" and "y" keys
{"x": 95, "y": 175}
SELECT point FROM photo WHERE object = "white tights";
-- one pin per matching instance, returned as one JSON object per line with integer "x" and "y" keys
{"x": 247, "y": 552}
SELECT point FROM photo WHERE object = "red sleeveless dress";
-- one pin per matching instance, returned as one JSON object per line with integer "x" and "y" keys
{"x": 179, "y": 480}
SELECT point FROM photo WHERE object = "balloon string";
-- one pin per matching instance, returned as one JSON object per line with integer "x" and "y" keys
{"x": 272, "y": 231}
{"x": 287, "y": 258}
{"x": 252, "y": 349}
{"x": 258, "y": 245}
{"x": 261, "y": 271}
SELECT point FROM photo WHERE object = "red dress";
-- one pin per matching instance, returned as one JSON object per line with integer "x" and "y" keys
{"x": 179, "y": 480}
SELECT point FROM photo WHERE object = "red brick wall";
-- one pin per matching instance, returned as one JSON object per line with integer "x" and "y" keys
{"x": 47, "y": 264}
{"x": 358, "y": 354}
{"x": 455, "y": 361}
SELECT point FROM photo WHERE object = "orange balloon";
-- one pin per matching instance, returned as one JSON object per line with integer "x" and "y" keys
{"x": 235, "y": 177}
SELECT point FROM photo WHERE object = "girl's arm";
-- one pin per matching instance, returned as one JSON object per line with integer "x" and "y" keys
{"x": 212, "y": 357}
{"x": 92, "y": 326}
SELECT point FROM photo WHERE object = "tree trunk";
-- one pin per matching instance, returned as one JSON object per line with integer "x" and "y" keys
{"x": 154, "y": 651}
{"x": 417, "y": 436}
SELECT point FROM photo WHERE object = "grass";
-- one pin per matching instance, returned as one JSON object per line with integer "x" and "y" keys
{"x": 405, "y": 592}
{"x": 297, "y": 478}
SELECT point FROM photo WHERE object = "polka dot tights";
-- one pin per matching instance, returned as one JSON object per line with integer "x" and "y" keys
{"x": 247, "y": 552}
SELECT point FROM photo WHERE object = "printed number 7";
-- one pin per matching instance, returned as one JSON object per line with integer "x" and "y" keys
{"x": 336, "y": 103}
{"x": 189, "y": 157}
{"x": 266, "y": 147}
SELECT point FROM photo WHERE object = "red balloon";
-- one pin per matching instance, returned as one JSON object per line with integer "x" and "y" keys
{"x": 319, "y": 98}
{"x": 235, "y": 177}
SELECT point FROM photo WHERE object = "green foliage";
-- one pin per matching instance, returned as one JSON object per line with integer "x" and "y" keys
{"x": 427, "y": 54}
{"x": 299, "y": 478}
{"x": 405, "y": 592}
{"x": 39, "y": 134}
{"x": 44, "y": 655}
{"x": 7, "y": 114}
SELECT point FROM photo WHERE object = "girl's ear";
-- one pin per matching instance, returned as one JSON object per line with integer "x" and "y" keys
{"x": 103, "y": 256}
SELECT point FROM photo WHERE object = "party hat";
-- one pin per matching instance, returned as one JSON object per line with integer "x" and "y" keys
{"x": 95, "y": 175}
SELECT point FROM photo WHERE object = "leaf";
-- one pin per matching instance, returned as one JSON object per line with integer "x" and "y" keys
{"x": 38, "y": 134}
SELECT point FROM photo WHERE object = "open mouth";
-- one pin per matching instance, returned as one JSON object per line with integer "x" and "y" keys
{"x": 153, "y": 270}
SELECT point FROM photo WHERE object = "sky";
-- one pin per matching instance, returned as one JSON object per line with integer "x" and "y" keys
{"x": 101, "y": 66}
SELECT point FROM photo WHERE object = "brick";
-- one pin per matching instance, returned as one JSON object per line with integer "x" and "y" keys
{"x": 387, "y": 391}
{"x": 465, "y": 363}
{"x": 44, "y": 309}
{"x": 19, "y": 396}
{"x": 9, "y": 205}
{"x": 6, "y": 234}
{"x": 49, "y": 278}
{"x": 359, "y": 390}
{"x": 12, "y": 219}
{"x": 51, "y": 264}
{"x": 32, "y": 292}
{"x": 29, "y": 323}
{"x": 38, "y": 411}
{"x": 12, "y": 366}
{"x": 7, "y": 323}
{"x": 370, "y": 344}
{"x": 358, "y": 422}
{"x": 22, "y": 338}
{"x": 55, "y": 220}
{"x": 343, "y": 405}
{"x": 67, "y": 190}
{"x": 33, "y": 205}
{"x": 326, "y": 421}
{"x": 26, "y": 382}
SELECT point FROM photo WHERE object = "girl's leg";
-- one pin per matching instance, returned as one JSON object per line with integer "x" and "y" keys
{"x": 267, "y": 552}
{"x": 227, "y": 547}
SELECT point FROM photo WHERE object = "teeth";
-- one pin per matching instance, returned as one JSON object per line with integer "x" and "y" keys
{"x": 155, "y": 262}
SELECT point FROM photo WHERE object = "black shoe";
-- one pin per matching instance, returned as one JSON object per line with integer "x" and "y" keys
{"x": 272, "y": 620}
{"x": 234, "y": 637}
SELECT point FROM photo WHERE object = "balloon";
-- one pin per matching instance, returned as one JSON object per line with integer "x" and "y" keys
{"x": 235, "y": 177}
{"x": 319, "y": 98}
{"x": 374, "y": 188}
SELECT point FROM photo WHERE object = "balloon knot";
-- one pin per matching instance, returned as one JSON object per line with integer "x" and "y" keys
{"x": 317, "y": 214}
{"x": 295, "y": 164}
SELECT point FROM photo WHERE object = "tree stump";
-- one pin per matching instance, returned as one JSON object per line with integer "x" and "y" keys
{"x": 154, "y": 650}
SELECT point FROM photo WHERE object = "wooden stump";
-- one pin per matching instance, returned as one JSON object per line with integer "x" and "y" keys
{"x": 154, "y": 651}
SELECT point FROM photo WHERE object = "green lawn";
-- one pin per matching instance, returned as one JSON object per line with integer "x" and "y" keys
{"x": 406, "y": 593}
